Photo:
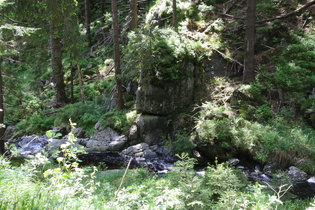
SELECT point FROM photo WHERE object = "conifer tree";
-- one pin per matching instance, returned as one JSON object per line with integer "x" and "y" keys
{"x": 87, "y": 9}
{"x": 249, "y": 67}
{"x": 133, "y": 14}
{"x": 175, "y": 21}
{"x": 120, "y": 101}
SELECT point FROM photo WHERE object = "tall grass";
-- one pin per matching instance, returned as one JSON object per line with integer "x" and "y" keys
{"x": 28, "y": 187}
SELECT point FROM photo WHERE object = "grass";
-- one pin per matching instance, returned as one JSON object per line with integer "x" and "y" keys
{"x": 28, "y": 187}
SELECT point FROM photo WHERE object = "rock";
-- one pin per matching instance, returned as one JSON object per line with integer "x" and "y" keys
{"x": 78, "y": 132}
{"x": 54, "y": 144}
{"x": 133, "y": 135}
{"x": 106, "y": 140}
{"x": 296, "y": 175}
{"x": 270, "y": 168}
{"x": 164, "y": 98}
{"x": 217, "y": 66}
{"x": 30, "y": 145}
{"x": 118, "y": 143}
{"x": 98, "y": 126}
{"x": 152, "y": 129}
{"x": 8, "y": 133}
{"x": 234, "y": 161}
{"x": 94, "y": 145}
{"x": 140, "y": 150}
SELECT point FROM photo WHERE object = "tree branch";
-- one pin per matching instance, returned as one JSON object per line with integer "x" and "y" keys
{"x": 288, "y": 14}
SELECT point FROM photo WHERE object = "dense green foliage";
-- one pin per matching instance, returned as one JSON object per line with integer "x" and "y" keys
{"x": 269, "y": 120}
{"x": 42, "y": 185}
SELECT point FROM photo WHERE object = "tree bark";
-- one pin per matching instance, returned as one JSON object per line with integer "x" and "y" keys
{"x": 175, "y": 21}
{"x": 304, "y": 7}
{"x": 134, "y": 14}
{"x": 102, "y": 7}
{"x": 2, "y": 149}
{"x": 56, "y": 64}
{"x": 120, "y": 101}
{"x": 87, "y": 9}
{"x": 81, "y": 84}
{"x": 249, "y": 65}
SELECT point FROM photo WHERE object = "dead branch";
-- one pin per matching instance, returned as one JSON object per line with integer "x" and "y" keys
{"x": 304, "y": 7}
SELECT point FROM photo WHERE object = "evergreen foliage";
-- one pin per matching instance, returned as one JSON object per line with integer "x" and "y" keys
{"x": 269, "y": 119}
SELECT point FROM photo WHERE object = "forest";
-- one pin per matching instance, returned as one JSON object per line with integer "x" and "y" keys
{"x": 157, "y": 104}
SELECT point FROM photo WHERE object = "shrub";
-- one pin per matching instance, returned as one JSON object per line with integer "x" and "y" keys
{"x": 182, "y": 143}
{"x": 85, "y": 115}
{"x": 119, "y": 120}
{"x": 295, "y": 68}
{"x": 160, "y": 52}
{"x": 36, "y": 124}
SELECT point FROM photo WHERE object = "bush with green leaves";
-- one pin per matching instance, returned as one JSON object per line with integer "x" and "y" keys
{"x": 35, "y": 124}
{"x": 158, "y": 51}
{"x": 284, "y": 143}
{"x": 182, "y": 143}
{"x": 120, "y": 121}
{"x": 295, "y": 67}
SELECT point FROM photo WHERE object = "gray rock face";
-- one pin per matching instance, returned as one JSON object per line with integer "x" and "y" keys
{"x": 152, "y": 129}
{"x": 166, "y": 97}
{"x": 296, "y": 175}
{"x": 106, "y": 140}
{"x": 134, "y": 135}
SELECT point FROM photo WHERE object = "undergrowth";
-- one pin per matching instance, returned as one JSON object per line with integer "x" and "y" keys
{"x": 256, "y": 129}
{"x": 29, "y": 186}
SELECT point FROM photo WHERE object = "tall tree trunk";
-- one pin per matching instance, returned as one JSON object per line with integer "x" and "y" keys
{"x": 56, "y": 64}
{"x": 81, "y": 84}
{"x": 134, "y": 14}
{"x": 175, "y": 21}
{"x": 2, "y": 149}
{"x": 249, "y": 67}
{"x": 72, "y": 72}
{"x": 87, "y": 9}
{"x": 102, "y": 7}
{"x": 120, "y": 101}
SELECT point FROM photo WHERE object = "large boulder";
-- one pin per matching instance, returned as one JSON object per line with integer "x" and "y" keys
{"x": 106, "y": 140}
{"x": 296, "y": 175}
{"x": 30, "y": 145}
{"x": 165, "y": 97}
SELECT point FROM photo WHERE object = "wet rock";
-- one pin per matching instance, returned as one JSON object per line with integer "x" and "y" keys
{"x": 296, "y": 175}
